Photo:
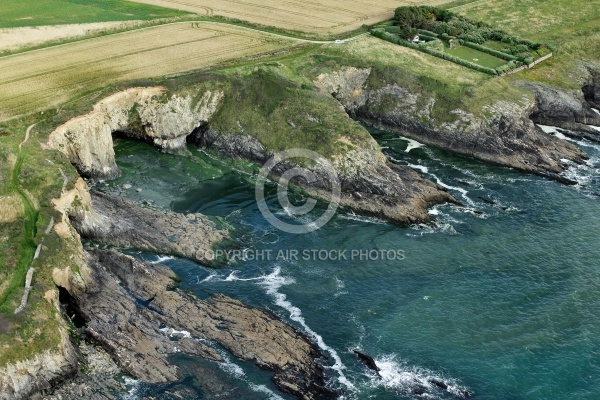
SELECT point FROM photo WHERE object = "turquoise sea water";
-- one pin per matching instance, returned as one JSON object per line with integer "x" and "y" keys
{"x": 500, "y": 300}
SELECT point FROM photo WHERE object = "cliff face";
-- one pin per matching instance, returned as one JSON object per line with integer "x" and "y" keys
{"x": 503, "y": 135}
{"x": 140, "y": 113}
{"x": 24, "y": 379}
{"x": 568, "y": 110}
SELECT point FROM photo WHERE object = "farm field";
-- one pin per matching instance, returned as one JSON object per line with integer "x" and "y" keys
{"x": 319, "y": 17}
{"x": 40, "y": 79}
{"x": 476, "y": 56}
{"x": 19, "y": 13}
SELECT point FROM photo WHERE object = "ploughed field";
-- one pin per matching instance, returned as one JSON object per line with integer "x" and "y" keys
{"x": 36, "y": 80}
{"x": 314, "y": 16}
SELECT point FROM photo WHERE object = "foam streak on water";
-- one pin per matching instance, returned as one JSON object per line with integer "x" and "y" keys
{"x": 162, "y": 259}
{"x": 463, "y": 192}
{"x": 272, "y": 283}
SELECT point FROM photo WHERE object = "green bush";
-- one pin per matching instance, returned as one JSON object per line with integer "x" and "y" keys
{"x": 492, "y": 52}
{"x": 427, "y": 38}
{"x": 392, "y": 29}
{"x": 427, "y": 33}
{"x": 435, "y": 44}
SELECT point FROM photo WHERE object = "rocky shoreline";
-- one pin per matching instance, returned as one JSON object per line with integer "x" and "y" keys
{"x": 136, "y": 313}
{"x": 508, "y": 137}
{"x": 134, "y": 310}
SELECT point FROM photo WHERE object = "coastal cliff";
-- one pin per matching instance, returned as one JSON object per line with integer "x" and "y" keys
{"x": 369, "y": 183}
{"x": 502, "y": 134}
{"x": 140, "y": 113}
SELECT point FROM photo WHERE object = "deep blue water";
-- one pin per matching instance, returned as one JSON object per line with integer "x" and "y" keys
{"x": 503, "y": 301}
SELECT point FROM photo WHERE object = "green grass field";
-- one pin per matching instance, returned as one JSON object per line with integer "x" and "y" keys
{"x": 476, "y": 56}
{"x": 18, "y": 13}
{"x": 571, "y": 27}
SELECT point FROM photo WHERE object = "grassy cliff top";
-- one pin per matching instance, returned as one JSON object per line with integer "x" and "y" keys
{"x": 571, "y": 27}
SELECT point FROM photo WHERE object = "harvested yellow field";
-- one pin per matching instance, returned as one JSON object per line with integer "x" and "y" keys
{"x": 44, "y": 78}
{"x": 326, "y": 17}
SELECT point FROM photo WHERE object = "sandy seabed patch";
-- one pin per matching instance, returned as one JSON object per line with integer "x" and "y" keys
{"x": 12, "y": 39}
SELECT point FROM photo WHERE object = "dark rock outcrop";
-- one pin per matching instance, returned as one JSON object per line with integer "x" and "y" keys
{"x": 368, "y": 361}
{"x": 130, "y": 306}
{"x": 591, "y": 89}
{"x": 567, "y": 110}
{"x": 119, "y": 222}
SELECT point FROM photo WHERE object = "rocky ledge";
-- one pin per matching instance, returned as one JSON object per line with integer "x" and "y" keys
{"x": 505, "y": 135}
{"x": 119, "y": 222}
{"x": 135, "y": 311}
{"x": 369, "y": 184}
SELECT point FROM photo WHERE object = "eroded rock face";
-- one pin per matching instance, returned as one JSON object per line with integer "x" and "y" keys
{"x": 24, "y": 379}
{"x": 566, "y": 110}
{"x": 119, "y": 222}
{"x": 369, "y": 184}
{"x": 506, "y": 136}
{"x": 591, "y": 89}
{"x": 130, "y": 307}
{"x": 141, "y": 113}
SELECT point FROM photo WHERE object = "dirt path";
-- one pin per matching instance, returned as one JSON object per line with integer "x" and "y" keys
{"x": 27, "y": 132}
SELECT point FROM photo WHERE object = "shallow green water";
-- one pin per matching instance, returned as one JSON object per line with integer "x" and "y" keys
{"x": 504, "y": 303}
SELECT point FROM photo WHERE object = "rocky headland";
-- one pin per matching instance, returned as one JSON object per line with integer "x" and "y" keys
{"x": 504, "y": 134}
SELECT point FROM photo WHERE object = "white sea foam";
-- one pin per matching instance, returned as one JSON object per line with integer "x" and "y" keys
{"x": 406, "y": 380}
{"x": 133, "y": 386}
{"x": 174, "y": 332}
{"x": 266, "y": 391}
{"x": 340, "y": 286}
{"x": 582, "y": 174}
{"x": 463, "y": 192}
{"x": 162, "y": 259}
{"x": 236, "y": 371}
{"x": 583, "y": 142}
{"x": 272, "y": 283}
{"x": 362, "y": 218}
{"x": 231, "y": 368}
{"x": 207, "y": 279}
{"x": 596, "y": 110}
{"x": 548, "y": 128}
{"x": 412, "y": 144}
